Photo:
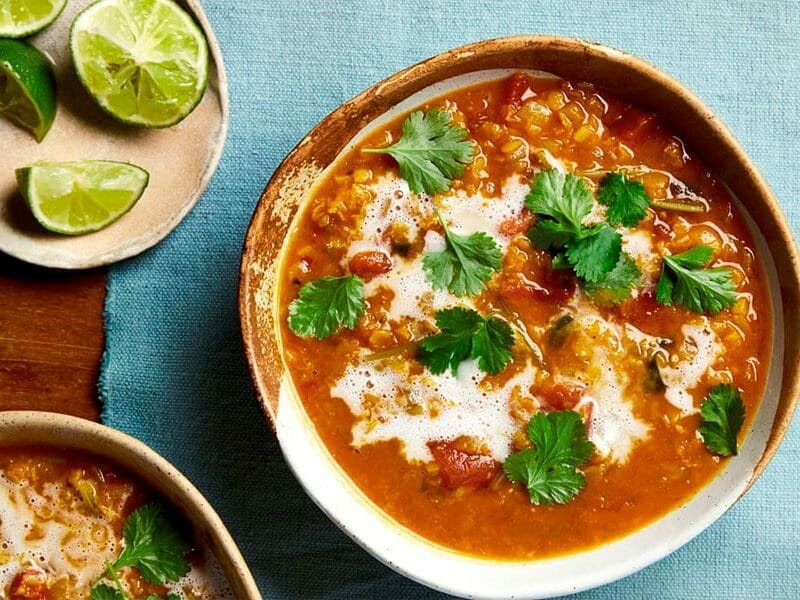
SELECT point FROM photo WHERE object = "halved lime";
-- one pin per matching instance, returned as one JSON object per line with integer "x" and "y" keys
{"x": 27, "y": 87}
{"x": 144, "y": 61}
{"x": 21, "y": 18}
{"x": 82, "y": 196}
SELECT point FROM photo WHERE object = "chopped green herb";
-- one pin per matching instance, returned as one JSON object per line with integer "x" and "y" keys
{"x": 465, "y": 334}
{"x": 465, "y": 264}
{"x": 626, "y": 199}
{"x": 595, "y": 252}
{"x": 103, "y": 591}
{"x": 723, "y": 416}
{"x": 550, "y": 469}
{"x": 557, "y": 333}
{"x": 153, "y": 546}
{"x": 326, "y": 304}
{"x": 616, "y": 285}
{"x": 565, "y": 200}
{"x": 431, "y": 151}
{"x": 684, "y": 281}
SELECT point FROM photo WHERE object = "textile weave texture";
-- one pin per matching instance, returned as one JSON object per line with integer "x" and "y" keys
{"x": 174, "y": 373}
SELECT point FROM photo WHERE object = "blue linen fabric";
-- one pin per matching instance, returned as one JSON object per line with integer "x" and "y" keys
{"x": 174, "y": 373}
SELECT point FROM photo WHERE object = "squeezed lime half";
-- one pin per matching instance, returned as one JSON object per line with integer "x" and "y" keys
{"x": 21, "y": 18}
{"x": 83, "y": 196}
{"x": 27, "y": 87}
{"x": 145, "y": 62}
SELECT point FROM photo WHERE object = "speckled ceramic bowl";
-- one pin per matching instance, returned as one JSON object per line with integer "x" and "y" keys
{"x": 626, "y": 77}
{"x": 52, "y": 429}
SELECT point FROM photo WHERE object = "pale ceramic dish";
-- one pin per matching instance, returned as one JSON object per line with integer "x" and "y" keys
{"x": 624, "y": 76}
{"x": 53, "y": 429}
{"x": 180, "y": 159}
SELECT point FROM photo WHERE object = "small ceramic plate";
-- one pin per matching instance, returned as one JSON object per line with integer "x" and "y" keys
{"x": 180, "y": 159}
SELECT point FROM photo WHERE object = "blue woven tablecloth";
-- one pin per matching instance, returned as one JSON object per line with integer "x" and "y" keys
{"x": 174, "y": 373}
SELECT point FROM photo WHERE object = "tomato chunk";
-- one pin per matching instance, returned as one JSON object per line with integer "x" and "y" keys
{"x": 559, "y": 395}
{"x": 370, "y": 263}
{"x": 517, "y": 89}
{"x": 29, "y": 584}
{"x": 518, "y": 224}
{"x": 459, "y": 468}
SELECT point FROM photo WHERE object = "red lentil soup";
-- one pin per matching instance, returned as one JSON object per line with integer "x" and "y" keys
{"x": 62, "y": 515}
{"x": 428, "y": 449}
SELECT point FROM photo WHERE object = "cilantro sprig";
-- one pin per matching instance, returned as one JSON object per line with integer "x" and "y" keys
{"x": 626, "y": 199}
{"x": 562, "y": 202}
{"x": 153, "y": 546}
{"x": 617, "y": 284}
{"x": 465, "y": 334}
{"x": 549, "y": 470}
{"x": 722, "y": 412}
{"x": 325, "y": 304}
{"x": 431, "y": 151}
{"x": 465, "y": 264}
{"x": 106, "y": 592}
{"x": 684, "y": 281}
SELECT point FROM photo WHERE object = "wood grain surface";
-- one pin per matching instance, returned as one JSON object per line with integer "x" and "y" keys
{"x": 51, "y": 338}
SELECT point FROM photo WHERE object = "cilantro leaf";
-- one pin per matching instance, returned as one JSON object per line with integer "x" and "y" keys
{"x": 627, "y": 200}
{"x": 723, "y": 416}
{"x": 431, "y": 151}
{"x": 595, "y": 252}
{"x": 103, "y": 591}
{"x": 491, "y": 345}
{"x": 550, "y": 469}
{"x": 617, "y": 284}
{"x": 465, "y": 264}
{"x": 684, "y": 281}
{"x": 563, "y": 198}
{"x": 325, "y": 304}
{"x": 152, "y": 546}
{"x": 465, "y": 334}
{"x": 547, "y": 233}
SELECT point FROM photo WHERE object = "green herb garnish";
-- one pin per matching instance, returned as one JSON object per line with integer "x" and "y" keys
{"x": 626, "y": 199}
{"x": 103, "y": 591}
{"x": 465, "y": 264}
{"x": 325, "y": 304}
{"x": 465, "y": 334}
{"x": 684, "y": 281}
{"x": 431, "y": 151}
{"x": 594, "y": 253}
{"x": 153, "y": 546}
{"x": 617, "y": 284}
{"x": 550, "y": 469}
{"x": 723, "y": 416}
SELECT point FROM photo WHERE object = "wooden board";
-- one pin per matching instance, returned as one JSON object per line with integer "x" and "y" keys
{"x": 51, "y": 338}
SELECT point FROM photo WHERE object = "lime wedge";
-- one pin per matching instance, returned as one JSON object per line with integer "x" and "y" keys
{"x": 21, "y": 18}
{"x": 27, "y": 87}
{"x": 144, "y": 61}
{"x": 82, "y": 196}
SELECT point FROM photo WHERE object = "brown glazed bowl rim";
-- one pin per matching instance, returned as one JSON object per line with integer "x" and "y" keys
{"x": 623, "y": 75}
{"x": 56, "y": 430}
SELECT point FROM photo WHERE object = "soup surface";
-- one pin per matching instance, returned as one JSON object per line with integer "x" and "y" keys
{"x": 62, "y": 518}
{"x": 428, "y": 444}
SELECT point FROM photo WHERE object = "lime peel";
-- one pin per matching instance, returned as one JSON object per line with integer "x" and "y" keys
{"x": 21, "y": 18}
{"x": 27, "y": 87}
{"x": 145, "y": 62}
{"x": 79, "y": 197}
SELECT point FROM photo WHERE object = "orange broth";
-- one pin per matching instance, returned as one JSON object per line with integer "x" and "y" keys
{"x": 520, "y": 125}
